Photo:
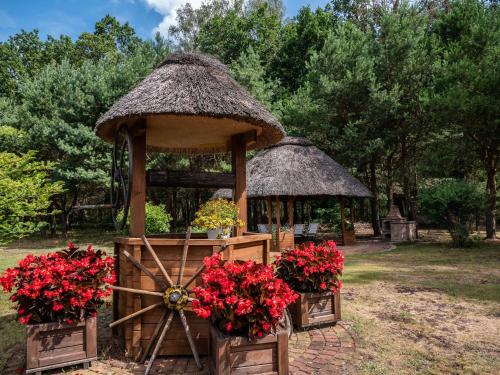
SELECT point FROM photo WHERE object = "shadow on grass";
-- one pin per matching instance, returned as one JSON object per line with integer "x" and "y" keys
{"x": 12, "y": 334}
{"x": 466, "y": 273}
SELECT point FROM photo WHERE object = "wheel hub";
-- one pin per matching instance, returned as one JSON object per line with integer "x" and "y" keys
{"x": 175, "y": 298}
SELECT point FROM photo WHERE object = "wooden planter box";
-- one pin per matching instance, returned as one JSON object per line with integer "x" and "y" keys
{"x": 239, "y": 355}
{"x": 136, "y": 333}
{"x": 54, "y": 345}
{"x": 315, "y": 308}
{"x": 349, "y": 238}
{"x": 286, "y": 241}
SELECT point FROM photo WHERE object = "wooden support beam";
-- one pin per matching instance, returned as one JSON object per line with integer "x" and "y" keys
{"x": 290, "y": 211}
{"x": 138, "y": 194}
{"x": 269, "y": 210}
{"x": 187, "y": 179}
{"x": 239, "y": 166}
{"x": 342, "y": 217}
{"x": 351, "y": 210}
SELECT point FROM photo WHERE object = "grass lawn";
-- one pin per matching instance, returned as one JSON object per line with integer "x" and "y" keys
{"x": 424, "y": 309}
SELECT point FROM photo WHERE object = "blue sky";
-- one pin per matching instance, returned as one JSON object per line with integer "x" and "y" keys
{"x": 71, "y": 17}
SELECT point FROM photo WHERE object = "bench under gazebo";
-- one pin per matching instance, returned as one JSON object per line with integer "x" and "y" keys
{"x": 294, "y": 169}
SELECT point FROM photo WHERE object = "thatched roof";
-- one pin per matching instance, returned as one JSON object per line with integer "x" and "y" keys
{"x": 191, "y": 103}
{"x": 295, "y": 167}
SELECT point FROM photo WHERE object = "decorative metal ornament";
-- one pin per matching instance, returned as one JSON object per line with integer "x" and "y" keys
{"x": 175, "y": 298}
{"x": 121, "y": 176}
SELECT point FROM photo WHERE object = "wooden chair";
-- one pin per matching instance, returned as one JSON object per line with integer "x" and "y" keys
{"x": 298, "y": 231}
{"x": 312, "y": 231}
{"x": 263, "y": 228}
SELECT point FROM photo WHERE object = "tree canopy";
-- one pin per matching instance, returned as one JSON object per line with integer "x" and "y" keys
{"x": 403, "y": 94}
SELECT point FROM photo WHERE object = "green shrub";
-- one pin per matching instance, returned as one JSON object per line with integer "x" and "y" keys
{"x": 157, "y": 219}
{"x": 453, "y": 204}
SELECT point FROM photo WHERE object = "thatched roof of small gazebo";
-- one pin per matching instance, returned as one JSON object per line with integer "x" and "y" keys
{"x": 295, "y": 167}
{"x": 190, "y": 103}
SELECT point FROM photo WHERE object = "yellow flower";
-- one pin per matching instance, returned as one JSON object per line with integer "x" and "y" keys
{"x": 218, "y": 213}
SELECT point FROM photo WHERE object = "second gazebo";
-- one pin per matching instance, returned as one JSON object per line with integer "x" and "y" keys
{"x": 295, "y": 168}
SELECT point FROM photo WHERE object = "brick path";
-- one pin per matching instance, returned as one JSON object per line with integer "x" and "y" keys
{"x": 320, "y": 351}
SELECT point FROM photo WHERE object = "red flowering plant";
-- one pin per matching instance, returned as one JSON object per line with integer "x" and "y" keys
{"x": 311, "y": 268}
{"x": 65, "y": 286}
{"x": 241, "y": 298}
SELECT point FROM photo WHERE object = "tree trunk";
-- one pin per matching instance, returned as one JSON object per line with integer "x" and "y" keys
{"x": 390, "y": 182}
{"x": 491, "y": 190}
{"x": 64, "y": 225}
{"x": 374, "y": 201}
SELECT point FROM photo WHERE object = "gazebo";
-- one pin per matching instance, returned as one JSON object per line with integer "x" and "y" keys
{"x": 294, "y": 168}
{"x": 188, "y": 104}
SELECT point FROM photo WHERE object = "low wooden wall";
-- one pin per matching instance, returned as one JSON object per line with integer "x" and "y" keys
{"x": 137, "y": 332}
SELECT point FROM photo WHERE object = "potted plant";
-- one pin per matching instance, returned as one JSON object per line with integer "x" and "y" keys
{"x": 217, "y": 217}
{"x": 57, "y": 296}
{"x": 313, "y": 271}
{"x": 348, "y": 237}
{"x": 245, "y": 303}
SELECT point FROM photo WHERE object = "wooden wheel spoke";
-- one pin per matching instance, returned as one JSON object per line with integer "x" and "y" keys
{"x": 145, "y": 270}
{"x": 135, "y": 314}
{"x": 190, "y": 339}
{"x": 184, "y": 255}
{"x": 154, "y": 336}
{"x": 136, "y": 291}
{"x": 157, "y": 260}
{"x": 160, "y": 342}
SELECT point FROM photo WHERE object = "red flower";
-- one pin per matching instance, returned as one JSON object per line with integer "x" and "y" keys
{"x": 241, "y": 298}
{"x": 312, "y": 268}
{"x": 71, "y": 282}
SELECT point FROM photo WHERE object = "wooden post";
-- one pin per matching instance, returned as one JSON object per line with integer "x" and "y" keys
{"x": 290, "y": 212}
{"x": 278, "y": 222}
{"x": 342, "y": 217}
{"x": 137, "y": 322}
{"x": 239, "y": 166}
{"x": 269, "y": 214}
{"x": 351, "y": 210}
{"x": 138, "y": 194}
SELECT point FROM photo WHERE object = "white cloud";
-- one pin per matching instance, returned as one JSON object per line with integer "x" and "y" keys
{"x": 168, "y": 9}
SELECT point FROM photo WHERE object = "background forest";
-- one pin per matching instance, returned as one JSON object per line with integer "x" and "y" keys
{"x": 404, "y": 95}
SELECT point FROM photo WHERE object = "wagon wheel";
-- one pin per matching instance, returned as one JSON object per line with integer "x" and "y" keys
{"x": 121, "y": 176}
{"x": 287, "y": 323}
{"x": 175, "y": 299}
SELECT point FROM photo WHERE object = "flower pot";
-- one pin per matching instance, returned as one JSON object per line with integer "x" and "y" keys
{"x": 219, "y": 233}
{"x": 239, "y": 355}
{"x": 212, "y": 234}
{"x": 315, "y": 308}
{"x": 349, "y": 238}
{"x": 55, "y": 345}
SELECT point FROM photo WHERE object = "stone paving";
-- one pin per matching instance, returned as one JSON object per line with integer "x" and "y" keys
{"x": 318, "y": 351}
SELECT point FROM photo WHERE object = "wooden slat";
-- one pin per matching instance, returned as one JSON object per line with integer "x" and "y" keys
{"x": 239, "y": 167}
{"x": 32, "y": 346}
{"x": 282, "y": 353}
{"x": 138, "y": 193}
{"x": 91, "y": 337}
{"x": 166, "y": 240}
{"x": 136, "y": 335}
{"x": 61, "y": 338}
{"x": 188, "y": 179}
{"x": 73, "y": 356}
{"x": 268, "y": 369}
{"x": 50, "y": 355}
